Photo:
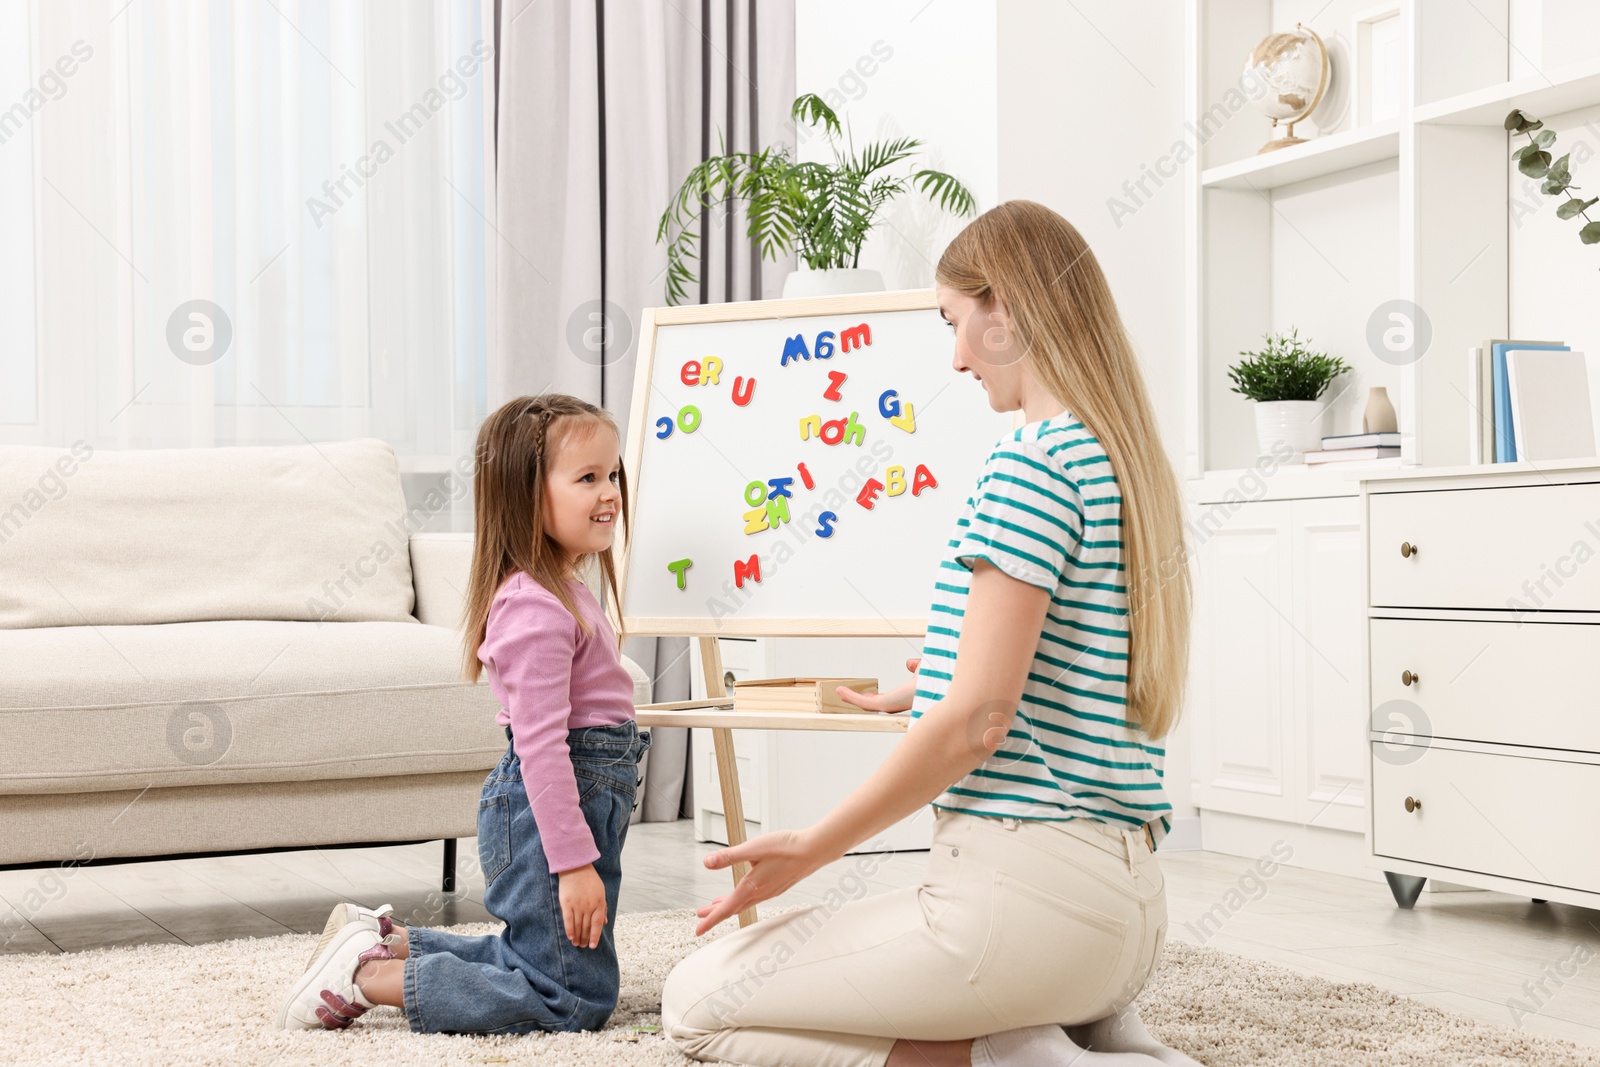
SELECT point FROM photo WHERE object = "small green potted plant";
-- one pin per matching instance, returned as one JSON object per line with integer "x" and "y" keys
{"x": 823, "y": 211}
{"x": 1285, "y": 379}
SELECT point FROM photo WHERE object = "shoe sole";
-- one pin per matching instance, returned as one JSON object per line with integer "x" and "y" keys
{"x": 334, "y": 942}
{"x": 342, "y": 915}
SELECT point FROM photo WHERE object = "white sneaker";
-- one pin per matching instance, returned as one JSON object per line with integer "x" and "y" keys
{"x": 347, "y": 912}
{"x": 326, "y": 995}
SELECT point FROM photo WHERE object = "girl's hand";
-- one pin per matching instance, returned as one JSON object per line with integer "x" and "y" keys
{"x": 894, "y": 700}
{"x": 777, "y": 861}
{"x": 583, "y": 905}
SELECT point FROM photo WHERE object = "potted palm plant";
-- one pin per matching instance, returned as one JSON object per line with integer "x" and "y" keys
{"x": 822, "y": 211}
{"x": 1285, "y": 380}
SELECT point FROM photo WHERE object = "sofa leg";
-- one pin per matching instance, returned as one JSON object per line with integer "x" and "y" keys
{"x": 450, "y": 865}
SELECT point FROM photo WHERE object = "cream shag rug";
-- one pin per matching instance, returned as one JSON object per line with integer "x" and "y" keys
{"x": 215, "y": 1004}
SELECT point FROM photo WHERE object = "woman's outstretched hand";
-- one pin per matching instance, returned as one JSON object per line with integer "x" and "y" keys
{"x": 777, "y": 861}
{"x": 894, "y": 700}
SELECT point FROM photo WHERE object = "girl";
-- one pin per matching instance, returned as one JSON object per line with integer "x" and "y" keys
{"x": 549, "y": 491}
{"x": 1053, "y": 666}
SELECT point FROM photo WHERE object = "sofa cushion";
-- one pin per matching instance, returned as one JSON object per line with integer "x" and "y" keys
{"x": 101, "y": 538}
{"x": 85, "y": 709}
{"x": 92, "y": 709}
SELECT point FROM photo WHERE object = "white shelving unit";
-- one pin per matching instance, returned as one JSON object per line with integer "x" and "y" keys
{"x": 1426, "y": 207}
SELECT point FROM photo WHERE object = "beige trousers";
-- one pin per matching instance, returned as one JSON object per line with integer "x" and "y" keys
{"x": 1017, "y": 923}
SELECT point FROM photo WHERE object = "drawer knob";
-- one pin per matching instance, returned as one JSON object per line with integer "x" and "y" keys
{"x": 1407, "y": 549}
{"x": 1406, "y": 678}
{"x": 1413, "y": 804}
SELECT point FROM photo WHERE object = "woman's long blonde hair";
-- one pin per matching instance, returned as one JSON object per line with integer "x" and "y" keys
{"x": 1065, "y": 322}
{"x": 515, "y": 448}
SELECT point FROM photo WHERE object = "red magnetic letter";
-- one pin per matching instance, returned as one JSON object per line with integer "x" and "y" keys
{"x": 832, "y": 391}
{"x": 745, "y": 399}
{"x": 746, "y": 568}
{"x": 869, "y": 492}
{"x": 923, "y": 479}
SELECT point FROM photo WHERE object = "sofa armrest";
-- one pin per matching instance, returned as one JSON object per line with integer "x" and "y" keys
{"x": 441, "y": 564}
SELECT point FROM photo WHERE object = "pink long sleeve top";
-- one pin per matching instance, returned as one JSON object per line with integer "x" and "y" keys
{"x": 550, "y": 677}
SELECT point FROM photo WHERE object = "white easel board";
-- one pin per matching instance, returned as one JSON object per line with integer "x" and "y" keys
{"x": 900, "y": 417}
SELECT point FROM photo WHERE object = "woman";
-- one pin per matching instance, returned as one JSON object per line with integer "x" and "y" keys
{"x": 1053, "y": 666}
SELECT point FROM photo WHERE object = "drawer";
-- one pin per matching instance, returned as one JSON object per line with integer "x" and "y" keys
{"x": 1501, "y": 815}
{"x": 1532, "y": 684}
{"x": 1485, "y": 548}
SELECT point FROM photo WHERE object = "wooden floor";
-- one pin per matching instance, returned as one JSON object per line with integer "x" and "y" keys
{"x": 1467, "y": 952}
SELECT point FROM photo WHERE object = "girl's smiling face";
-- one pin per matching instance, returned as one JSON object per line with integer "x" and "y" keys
{"x": 582, "y": 492}
{"x": 984, "y": 346}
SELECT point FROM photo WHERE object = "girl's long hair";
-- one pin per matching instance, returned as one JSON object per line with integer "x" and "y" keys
{"x": 514, "y": 452}
{"x": 1065, "y": 322}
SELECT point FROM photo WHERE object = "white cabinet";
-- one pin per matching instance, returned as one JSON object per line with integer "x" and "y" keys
{"x": 788, "y": 779}
{"x": 1276, "y": 693}
{"x": 1483, "y": 628}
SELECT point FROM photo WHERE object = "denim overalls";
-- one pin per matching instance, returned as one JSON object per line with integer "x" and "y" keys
{"x": 530, "y": 977}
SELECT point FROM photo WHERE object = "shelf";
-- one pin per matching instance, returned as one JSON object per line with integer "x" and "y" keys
{"x": 1315, "y": 158}
{"x": 1573, "y": 86}
{"x": 1292, "y": 481}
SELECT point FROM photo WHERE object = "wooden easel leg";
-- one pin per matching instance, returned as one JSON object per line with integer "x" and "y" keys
{"x": 732, "y": 806}
{"x": 727, "y": 768}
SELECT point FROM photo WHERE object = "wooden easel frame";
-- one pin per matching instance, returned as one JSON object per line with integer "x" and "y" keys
{"x": 715, "y": 711}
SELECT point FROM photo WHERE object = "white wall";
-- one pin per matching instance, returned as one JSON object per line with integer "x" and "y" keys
{"x": 1035, "y": 99}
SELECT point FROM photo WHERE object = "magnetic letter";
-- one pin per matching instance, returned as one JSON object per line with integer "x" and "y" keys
{"x": 897, "y": 480}
{"x": 832, "y": 391}
{"x": 780, "y": 487}
{"x": 923, "y": 479}
{"x": 854, "y": 432}
{"x": 855, "y": 337}
{"x": 868, "y": 493}
{"x": 810, "y": 426}
{"x": 746, "y": 568}
{"x": 794, "y": 348}
{"x": 755, "y": 520}
{"x": 690, "y": 374}
{"x": 889, "y": 404}
{"x": 755, "y": 494}
{"x": 825, "y": 338}
{"x": 689, "y": 414}
{"x": 906, "y": 420}
{"x": 777, "y": 511}
{"x": 826, "y": 519}
{"x": 805, "y": 476}
{"x": 836, "y": 426}
{"x": 665, "y": 425}
{"x": 712, "y": 368}
{"x": 748, "y": 389}
{"x": 678, "y": 566}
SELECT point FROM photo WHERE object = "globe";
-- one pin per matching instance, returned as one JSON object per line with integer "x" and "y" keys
{"x": 1291, "y": 66}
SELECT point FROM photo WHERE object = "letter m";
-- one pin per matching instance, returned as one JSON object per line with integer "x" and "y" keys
{"x": 795, "y": 348}
{"x": 747, "y": 568}
{"x": 855, "y": 337}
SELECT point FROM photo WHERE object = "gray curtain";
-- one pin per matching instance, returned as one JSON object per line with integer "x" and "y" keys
{"x": 603, "y": 106}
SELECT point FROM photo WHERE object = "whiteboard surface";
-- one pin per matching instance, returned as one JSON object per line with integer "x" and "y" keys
{"x": 689, "y": 489}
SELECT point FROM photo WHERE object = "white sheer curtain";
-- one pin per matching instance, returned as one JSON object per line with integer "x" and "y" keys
{"x": 321, "y": 174}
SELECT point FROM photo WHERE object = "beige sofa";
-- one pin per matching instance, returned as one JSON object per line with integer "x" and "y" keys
{"x": 231, "y": 650}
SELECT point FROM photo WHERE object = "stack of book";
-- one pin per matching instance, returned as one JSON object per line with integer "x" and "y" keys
{"x": 1532, "y": 400}
{"x": 799, "y": 694}
{"x": 1348, "y": 447}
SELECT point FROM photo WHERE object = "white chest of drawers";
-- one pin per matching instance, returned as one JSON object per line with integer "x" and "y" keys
{"x": 1483, "y": 678}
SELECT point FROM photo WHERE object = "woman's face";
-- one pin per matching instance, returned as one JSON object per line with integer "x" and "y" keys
{"x": 984, "y": 346}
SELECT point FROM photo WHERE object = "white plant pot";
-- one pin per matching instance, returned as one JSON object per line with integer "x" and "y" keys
{"x": 1297, "y": 423}
{"x": 831, "y": 281}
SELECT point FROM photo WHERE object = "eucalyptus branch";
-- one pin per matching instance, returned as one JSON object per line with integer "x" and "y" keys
{"x": 1533, "y": 159}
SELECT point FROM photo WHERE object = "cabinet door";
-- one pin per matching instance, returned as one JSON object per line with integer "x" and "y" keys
{"x": 1241, "y": 684}
{"x": 1327, "y": 711}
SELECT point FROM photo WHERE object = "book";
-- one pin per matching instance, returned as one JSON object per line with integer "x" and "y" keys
{"x": 798, "y": 694}
{"x": 1346, "y": 455}
{"x": 1383, "y": 439}
{"x": 1550, "y": 416}
{"x": 1503, "y": 447}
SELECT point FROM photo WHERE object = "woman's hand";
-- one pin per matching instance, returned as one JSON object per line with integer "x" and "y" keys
{"x": 894, "y": 700}
{"x": 777, "y": 861}
{"x": 583, "y": 905}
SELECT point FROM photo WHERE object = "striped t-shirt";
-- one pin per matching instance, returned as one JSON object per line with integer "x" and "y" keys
{"x": 1047, "y": 511}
